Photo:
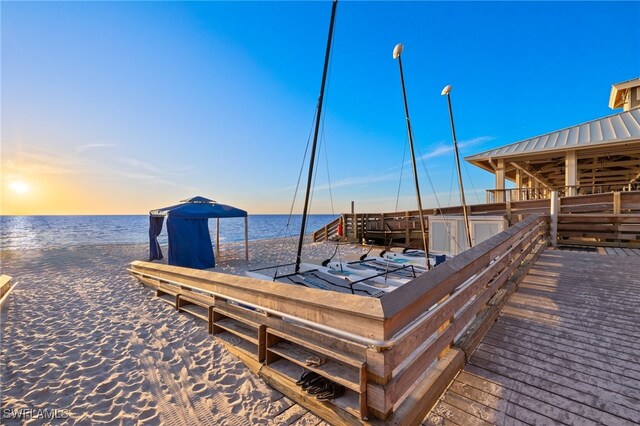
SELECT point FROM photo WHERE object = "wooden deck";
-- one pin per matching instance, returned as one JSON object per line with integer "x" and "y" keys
{"x": 565, "y": 350}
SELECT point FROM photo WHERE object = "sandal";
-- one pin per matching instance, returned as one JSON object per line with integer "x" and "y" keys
{"x": 312, "y": 382}
{"x": 335, "y": 391}
{"x": 306, "y": 377}
{"x": 315, "y": 361}
{"x": 320, "y": 387}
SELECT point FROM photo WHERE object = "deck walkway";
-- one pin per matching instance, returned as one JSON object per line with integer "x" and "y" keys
{"x": 565, "y": 350}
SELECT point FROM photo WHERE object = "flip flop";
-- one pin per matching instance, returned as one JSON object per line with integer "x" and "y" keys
{"x": 312, "y": 382}
{"x": 306, "y": 376}
{"x": 321, "y": 386}
{"x": 315, "y": 360}
{"x": 335, "y": 391}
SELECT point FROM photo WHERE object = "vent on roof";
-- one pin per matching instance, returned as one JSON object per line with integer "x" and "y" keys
{"x": 625, "y": 95}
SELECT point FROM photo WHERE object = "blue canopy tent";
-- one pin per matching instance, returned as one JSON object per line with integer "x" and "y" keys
{"x": 188, "y": 230}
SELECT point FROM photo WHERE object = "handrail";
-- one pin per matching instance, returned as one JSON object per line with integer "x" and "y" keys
{"x": 372, "y": 343}
{"x": 340, "y": 333}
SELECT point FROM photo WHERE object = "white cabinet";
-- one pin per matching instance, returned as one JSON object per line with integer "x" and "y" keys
{"x": 447, "y": 234}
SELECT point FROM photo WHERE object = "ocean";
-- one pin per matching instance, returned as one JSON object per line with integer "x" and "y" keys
{"x": 41, "y": 232}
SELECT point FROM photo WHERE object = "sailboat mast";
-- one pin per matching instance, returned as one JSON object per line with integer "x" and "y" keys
{"x": 447, "y": 91}
{"x": 315, "y": 137}
{"x": 397, "y": 52}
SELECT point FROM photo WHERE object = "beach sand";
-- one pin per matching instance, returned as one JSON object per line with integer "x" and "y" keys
{"x": 81, "y": 335}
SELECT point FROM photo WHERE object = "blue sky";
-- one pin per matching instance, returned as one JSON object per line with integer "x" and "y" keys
{"x": 114, "y": 107}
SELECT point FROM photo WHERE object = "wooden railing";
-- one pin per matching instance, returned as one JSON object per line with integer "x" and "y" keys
{"x": 459, "y": 289}
{"x": 330, "y": 231}
{"x": 376, "y": 348}
{"x": 525, "y": 193}
{"x": 516, "y": 194}
{"x": 403, "y": 228}
{"x": 606, "y": 230}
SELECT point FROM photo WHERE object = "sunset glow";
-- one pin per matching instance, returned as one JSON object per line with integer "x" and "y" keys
{"x": 19, "y": 187}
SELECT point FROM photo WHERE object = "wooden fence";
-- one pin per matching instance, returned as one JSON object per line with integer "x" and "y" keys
{"x": 403, "y": 228}
{"x": 376, "y": 348}
{"x": 605, "y": 230}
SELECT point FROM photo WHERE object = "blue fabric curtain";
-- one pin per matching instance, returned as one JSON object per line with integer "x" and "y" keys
{"x": 190, "y": 243}
{"x": 155, "y": 227}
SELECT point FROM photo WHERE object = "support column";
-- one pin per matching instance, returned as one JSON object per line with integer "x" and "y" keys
{"x": 526, "y": 183}
{"x": 554, "y": 218}
{"x": 500, "y": 182}
{"x": 571, "y": 173}
{"x": 520, "y": 193}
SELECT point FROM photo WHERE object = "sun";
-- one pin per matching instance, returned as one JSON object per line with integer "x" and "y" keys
{"x": 19, "y": 187}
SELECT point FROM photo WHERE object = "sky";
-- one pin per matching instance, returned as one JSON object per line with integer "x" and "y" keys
{"x": 123, "y": 107}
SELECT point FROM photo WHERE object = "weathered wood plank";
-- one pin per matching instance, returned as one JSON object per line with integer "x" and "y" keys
{"x": 359, "y": 315}
{"x": 309, "y": 419}
{"x": 588, "y": 385}
{"x": 583, "y": 403}
{"x": 558, "y": 364}
{"x": 585, "y": 316}
{"x": 617, "y": 370}
{"x": 540, "y": 406}
{"x": 425, "y": 395}
{"x": 459, "y": 416}
{"x": 290, "y": 415}
{"x": 534, "y": 334}
{"x": 566, "y": 346}
{"x": 498, "y": 410}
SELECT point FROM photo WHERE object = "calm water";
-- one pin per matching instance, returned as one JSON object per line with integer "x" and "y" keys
{"x": 35, "y": 232}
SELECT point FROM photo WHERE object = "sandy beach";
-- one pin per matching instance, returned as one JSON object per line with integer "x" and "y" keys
{"x": 81, "y": 336}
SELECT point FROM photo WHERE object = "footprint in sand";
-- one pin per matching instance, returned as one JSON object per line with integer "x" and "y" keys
{"x": 198, "y": 388}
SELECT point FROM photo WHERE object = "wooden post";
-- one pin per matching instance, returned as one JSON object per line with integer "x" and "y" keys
{"x": 407, "y": 231}
{"x": 617, "y": 207}
{"x": 218, "y": 237}
{"x": 519, "y": 195}
{"x": 246, "y": 237}
{"x": 365, "y": 224}
{"x": 554, "y": 218}
{"x": 499, "y": 197}
{"x": 354, "y": 224}
{"x": 571, "y": 173}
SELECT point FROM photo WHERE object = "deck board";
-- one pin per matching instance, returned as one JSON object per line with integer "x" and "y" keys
{"x": 565, "y": 349}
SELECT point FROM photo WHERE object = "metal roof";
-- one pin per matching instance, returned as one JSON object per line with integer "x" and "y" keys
{"x": 614, "y": 128}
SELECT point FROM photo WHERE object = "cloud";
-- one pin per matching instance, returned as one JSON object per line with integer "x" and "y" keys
{"x": 363, "y": 180}
{"x": 136, "y": 164}
{"x": 36, "y": 161}
{"x": 153, "y": 180}
{"x": 355, "y": 181}
{"x": 393, "y": 174}
{"x": 443, "y": 149}
{"x": 83, "y": 148}
{"x": 475, "y": 141}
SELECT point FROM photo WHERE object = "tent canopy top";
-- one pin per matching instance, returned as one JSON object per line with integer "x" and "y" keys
{"x": 199, "y": 208}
